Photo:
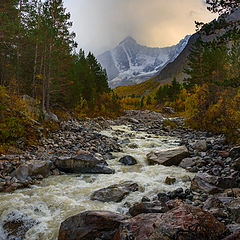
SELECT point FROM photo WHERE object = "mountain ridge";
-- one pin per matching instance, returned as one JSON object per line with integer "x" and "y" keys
{"x": 130, "y": 63}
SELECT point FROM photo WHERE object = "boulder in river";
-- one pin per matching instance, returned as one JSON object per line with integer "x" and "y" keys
{"x": 91, "y": 225}
{"x": 82, "y": 163}
{"x": 115, "y": 193}
{"x": 184, "y": 222}
{"x": 128, "y": 160}
{"x": 168, "y": 157}
{"x": 31, "y": 168}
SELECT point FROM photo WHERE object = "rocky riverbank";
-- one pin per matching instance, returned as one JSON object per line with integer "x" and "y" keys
{"x": 79, "y": 147}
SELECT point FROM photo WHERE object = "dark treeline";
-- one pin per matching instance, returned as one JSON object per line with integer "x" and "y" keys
{"x": 38, "y": 56}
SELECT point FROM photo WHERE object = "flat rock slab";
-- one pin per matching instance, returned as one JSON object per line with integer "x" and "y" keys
{"x": 115, "y": 193}
{"x": 91, "y": 225}
{"x": 83, "y": 163}
{"x": 168, "y": 157}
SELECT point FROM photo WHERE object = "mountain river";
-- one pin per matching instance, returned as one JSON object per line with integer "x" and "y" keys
{"x": 58, "y": 197}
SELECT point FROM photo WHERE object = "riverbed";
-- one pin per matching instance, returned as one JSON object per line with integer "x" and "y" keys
{"x": 58, "y": 197}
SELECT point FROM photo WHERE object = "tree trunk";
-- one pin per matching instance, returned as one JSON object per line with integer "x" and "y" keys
{"x": 18, "y": 50}
{"x": 35, "y": 58}
{"x": 43, "y": 81}
{"x": 48, "y": 79}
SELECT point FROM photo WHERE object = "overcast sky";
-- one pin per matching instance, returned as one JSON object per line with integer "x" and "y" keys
{"x": 101, "y": 24}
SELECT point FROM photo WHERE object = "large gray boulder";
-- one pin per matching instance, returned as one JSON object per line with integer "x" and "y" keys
{"x": 82, "y": 163}
{"x": 31, "y": 168}
{"x": 168, "y": 157}
{"x": 116, "y": 192}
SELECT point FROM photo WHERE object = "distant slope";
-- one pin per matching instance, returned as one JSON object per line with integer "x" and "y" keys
{"x": 131, "y": 63}
{"x": 171, "y": 70}
{"x": 210, "y": 31}
{"x": 176, "y": 67}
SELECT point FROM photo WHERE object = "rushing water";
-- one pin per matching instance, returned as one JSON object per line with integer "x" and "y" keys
{"x": 59, "y": 197}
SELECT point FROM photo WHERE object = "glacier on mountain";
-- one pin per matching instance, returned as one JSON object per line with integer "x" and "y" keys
{"x": 130, "y": 63}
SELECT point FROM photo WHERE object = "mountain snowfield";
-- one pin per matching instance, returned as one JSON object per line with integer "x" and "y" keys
{"x": 130, "y": 63}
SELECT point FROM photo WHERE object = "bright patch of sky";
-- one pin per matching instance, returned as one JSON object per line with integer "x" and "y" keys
{"x": 101, "y": 24}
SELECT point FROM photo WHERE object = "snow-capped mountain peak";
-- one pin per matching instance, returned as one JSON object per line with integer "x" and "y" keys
{"x": 131, "y": 63}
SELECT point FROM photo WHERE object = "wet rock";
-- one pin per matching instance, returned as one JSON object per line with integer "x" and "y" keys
{"x": 82, "y": 163}
{"x": 148, "y": 207}
{"x": 133, "y": 145}
{"x": 116, "y": 192}
{"x": 21, "y": 173}
{"x": 205, "y": 183}
{"x": 31, "y": 168}
{"x": 145, "y": 199}
{"x": 168, "y": 157}
{"x": 91, "y": 225}
{"x": 184, "y": 222}
{"x": 128, "y": 160}
{"x": 170, "y": 180}
{"x": 16, "y": 225}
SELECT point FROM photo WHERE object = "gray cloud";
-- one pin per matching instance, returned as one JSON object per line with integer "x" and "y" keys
{"x": 102, "y": 24}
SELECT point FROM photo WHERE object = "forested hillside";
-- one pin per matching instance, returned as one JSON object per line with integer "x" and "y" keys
{"x": 38, "y": 56}
{"x": 41, "y": 71}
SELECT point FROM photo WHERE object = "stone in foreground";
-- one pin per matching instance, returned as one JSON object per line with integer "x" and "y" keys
{"x": 82, "y": 163}
{"x": 115, "y": 193}
{"x": 184, "y": 222}
{"x": 168, "y": 157}
{"x": 91, "y": 225}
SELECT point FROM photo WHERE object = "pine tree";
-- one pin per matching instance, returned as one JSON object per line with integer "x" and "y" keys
{"x": 222, "y": 6}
